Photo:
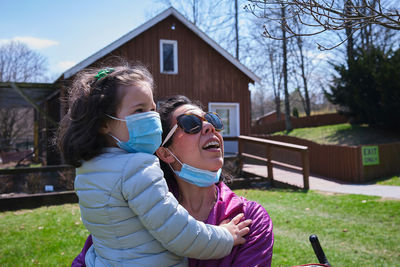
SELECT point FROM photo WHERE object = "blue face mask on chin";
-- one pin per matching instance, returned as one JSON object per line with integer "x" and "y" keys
{"x": 196, "y": 176}
{"x": 144, "y": 132}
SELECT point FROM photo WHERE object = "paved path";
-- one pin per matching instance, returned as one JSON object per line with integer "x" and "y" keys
{"x": 324, "y": 184}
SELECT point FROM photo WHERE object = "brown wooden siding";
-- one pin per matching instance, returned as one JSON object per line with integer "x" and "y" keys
{"x": 389, "y": 159}
{"x": 203, "y": 73}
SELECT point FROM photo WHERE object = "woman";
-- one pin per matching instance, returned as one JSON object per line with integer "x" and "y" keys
{"x": 201, "y": 146}
{"x": 191, "y": 157}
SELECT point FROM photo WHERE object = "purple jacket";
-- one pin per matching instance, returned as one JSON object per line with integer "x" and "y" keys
{"x": 257, "y": 251}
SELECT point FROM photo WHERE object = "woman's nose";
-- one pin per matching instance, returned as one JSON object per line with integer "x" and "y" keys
{"x": 207, "y": 127}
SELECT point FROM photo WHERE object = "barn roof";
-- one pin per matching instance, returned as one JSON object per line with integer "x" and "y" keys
{"x": 37, "y": 92}
{"x": 132, "y": 34}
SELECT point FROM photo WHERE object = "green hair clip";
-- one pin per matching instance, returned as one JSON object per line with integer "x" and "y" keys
{"x": 103, "y": 73}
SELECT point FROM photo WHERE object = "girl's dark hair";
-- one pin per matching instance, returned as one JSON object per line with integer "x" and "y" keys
{"x": 90, "y": 98}
{"x": 166, "y": 111}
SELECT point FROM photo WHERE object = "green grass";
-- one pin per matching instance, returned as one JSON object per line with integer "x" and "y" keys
{"x": 393, "y": 180}
{"x": 353, "y": 230}
{"x": 344, "y": 134}
{"x": 47, "y": 236}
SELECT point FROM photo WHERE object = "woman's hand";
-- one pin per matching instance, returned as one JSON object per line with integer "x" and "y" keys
{"x": 237, "y": 229}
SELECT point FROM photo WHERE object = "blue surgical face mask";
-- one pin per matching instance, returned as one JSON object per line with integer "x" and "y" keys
{"x": 196, "y": 176}
{"x": 144, "y": 132}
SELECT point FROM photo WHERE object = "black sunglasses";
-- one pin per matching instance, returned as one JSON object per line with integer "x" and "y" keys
{"x": 192, "y": 123}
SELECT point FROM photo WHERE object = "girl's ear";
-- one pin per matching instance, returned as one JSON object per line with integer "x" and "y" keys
{"x": 164, "y": 155}
{"x": 107, "y": 126}
{"x": 104, "y": 129}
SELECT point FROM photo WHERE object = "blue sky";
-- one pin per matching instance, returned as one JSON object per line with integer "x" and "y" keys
{"x": 67, "y": 32}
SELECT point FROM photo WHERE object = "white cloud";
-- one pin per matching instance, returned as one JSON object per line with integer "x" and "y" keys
{"x": 64, "y": 65}
{"x": 32, "y": 42}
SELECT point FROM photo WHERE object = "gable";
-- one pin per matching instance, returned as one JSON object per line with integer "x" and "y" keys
{"x": 146, "y": 26}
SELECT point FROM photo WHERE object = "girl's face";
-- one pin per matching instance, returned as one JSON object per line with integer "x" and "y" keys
{"x": 135, "y": 99}
{"x": 193, "y": 149}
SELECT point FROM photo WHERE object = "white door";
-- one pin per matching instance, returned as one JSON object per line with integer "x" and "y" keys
{"x": 229, "y": 113}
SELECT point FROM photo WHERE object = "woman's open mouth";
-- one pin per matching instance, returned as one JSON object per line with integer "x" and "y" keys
{"x": 212, "y": 145}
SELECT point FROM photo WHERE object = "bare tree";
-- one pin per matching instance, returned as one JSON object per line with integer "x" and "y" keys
{"x": 16, "y": 124}
{"x": 18, "y": 63}
{"x": 300, "y": 48}
{"x": 264, "y": 56}
{"x": 276, "y": 74}
{"x": 336, "y": 15}
{"x": 288, "y": 123}
{"x": 219, "y": 19}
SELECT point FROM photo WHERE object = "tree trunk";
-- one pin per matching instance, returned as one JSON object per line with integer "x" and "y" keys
{"x": 288, "y": 123}
{"x": 194, "y": 10}
{"x": 278, "y": 108}
{"x": 237, "y": 28}
{"x": 349, "y": 35}
{"x": 277, "y": 95}
{"x": 306, "y": 104}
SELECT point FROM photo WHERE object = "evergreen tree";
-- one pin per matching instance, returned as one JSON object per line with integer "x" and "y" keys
{"x": 369, "y": 88}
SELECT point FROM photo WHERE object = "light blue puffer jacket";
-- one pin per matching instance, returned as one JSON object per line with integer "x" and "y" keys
{"x": 134, "y": 220}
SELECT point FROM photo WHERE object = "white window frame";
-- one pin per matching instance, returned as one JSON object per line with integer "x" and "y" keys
{"x": 175, "y": 44}
{"x": 229, "y": 104}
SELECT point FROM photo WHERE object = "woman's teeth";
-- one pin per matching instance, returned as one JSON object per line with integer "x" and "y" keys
{"x": 212, "y": 144}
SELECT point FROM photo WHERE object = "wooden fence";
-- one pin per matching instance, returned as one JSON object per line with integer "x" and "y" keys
{"x": 311, "y": 121}
{"x": 259, "y": 149}
{"x": 342, "y": 162}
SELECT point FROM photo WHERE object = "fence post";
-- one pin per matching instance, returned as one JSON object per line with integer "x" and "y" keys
{"x": 306, "y": 168}
{"x": 240, "y": 141}
{"x": 269, "y": 164}
{"x": 241, "y": 160}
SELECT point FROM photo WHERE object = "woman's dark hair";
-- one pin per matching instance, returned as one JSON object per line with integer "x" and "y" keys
{"x": 166, "y": 111}
{"x": 90, "y": 98}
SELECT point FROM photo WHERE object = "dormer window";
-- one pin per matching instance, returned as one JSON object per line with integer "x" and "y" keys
{"x": 169, "y": 56}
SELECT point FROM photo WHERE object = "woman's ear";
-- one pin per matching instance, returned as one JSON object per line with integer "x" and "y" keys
{"x": 165, "y": 155}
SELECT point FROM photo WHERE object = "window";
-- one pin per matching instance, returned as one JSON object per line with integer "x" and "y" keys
{"x": 224, "y": 114}
{"x": 169, "y": 56}
{"x": 229, "y": 113}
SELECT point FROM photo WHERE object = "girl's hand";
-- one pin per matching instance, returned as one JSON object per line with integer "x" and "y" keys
{"x": 237, "y": 229}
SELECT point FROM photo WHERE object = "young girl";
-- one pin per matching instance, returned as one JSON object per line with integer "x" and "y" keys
{"x": 110, "y": 133}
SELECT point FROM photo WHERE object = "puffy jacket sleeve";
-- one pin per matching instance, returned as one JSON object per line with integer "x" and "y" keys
{"x": 146, "y": 191}
{"x": 257, "y": 251}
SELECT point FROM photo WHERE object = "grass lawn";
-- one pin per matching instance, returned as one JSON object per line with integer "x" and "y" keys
{"x": 344, "y": 134}
{"x": 393, "y": 180}
{"x": 353, "y": 230}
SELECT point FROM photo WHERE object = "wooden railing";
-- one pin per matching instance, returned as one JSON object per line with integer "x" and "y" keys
{"x": 268, "y": 144}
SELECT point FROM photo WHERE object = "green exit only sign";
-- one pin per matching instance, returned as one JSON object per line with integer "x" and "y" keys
{"x": 370, "y": 155}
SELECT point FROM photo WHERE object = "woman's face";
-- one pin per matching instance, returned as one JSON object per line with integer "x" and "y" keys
{"x": 195, "y": 149}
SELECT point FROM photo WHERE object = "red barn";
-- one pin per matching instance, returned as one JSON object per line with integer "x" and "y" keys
{"x": 184, "y": 60}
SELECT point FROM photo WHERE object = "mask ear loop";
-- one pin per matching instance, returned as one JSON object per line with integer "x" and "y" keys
{"x": 118, "y": 119}
{"x": 173, "y": 155}
{"x": 175, "y": 158}
{"x": 115, "y": 118}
